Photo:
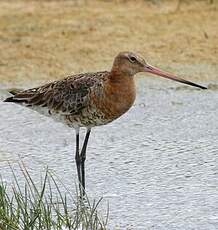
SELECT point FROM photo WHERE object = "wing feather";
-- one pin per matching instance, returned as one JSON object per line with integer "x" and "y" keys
{"x": 68, "y": 96}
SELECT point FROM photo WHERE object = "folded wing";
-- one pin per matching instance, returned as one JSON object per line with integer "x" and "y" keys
{"x": 67, "y": 96}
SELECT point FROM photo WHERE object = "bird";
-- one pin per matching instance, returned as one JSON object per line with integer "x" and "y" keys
{"x": 90, "y": 99}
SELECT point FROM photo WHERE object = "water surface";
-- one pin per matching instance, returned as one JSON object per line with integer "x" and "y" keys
{"x": 157, "y": 165}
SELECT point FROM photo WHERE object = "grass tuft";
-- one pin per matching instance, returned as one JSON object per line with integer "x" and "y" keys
{"x": 46, "y": 207}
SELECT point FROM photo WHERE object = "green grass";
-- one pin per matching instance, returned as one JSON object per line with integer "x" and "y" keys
{"x": 32, "y": 207}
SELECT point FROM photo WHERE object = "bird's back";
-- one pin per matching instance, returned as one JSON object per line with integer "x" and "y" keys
{"x": 66, "y": 99}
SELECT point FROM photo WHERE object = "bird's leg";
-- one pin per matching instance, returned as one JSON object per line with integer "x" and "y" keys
{"x": 78, "y": 159}
{"x": 83, "y": 158}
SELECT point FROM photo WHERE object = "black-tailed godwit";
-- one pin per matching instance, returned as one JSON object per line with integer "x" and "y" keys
{"x": 91, "y": 99}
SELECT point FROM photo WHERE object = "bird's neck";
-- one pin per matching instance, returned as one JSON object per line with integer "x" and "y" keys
{"x": 119, "y": 93}
{"x": 121, "y": 83}
{"x": 117, "y": 75}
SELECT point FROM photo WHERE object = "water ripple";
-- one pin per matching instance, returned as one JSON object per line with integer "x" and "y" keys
{"x": 157, "y": 165}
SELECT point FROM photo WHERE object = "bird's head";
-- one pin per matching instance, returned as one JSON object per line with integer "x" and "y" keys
{"x": 129, "y": 64}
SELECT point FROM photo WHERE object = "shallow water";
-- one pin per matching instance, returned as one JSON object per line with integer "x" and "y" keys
{"x": 157, "y": 165}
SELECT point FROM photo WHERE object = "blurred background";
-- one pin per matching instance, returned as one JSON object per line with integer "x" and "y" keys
{"x": 44, "y": 40}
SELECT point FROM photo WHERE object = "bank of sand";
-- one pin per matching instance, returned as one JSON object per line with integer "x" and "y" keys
{"x": 44, "y": 40}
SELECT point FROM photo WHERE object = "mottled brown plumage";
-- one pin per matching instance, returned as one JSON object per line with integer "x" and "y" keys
{"x": 69, "y": 98}
{"x": 81, "y": 100}
{"x": 90, "y": 99}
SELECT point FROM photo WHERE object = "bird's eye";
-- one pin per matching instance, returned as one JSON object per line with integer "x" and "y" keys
{"x": 132, "y": 59}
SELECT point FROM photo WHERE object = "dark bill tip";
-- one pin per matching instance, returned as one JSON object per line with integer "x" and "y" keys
{"x": 193, "y": 84}
{"x": 156, "y": 71}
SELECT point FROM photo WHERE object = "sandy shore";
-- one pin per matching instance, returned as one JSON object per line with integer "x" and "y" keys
{"x": 44, "y": 40}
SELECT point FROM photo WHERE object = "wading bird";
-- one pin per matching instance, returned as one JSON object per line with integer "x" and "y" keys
{"x": 91, "y": 99}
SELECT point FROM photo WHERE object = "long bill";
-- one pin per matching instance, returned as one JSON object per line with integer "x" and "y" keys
{"x": 151, "y": 69}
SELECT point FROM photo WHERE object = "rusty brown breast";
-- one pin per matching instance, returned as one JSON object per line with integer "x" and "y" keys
{"x": 118, "y": 96}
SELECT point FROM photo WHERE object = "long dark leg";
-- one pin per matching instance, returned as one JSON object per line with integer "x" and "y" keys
{"x": 78, "y": 160}
{"x": 83, "y": 158}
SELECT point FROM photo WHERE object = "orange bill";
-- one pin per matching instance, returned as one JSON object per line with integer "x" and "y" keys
{"x": 156, "y": 71}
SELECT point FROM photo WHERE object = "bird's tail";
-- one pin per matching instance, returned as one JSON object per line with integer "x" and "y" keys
{"x": 12, "y": 91}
